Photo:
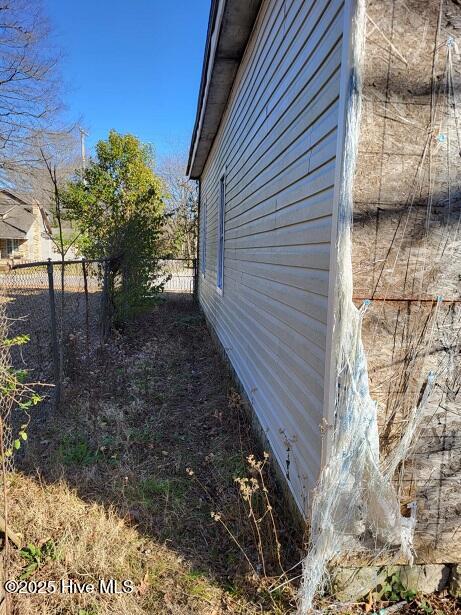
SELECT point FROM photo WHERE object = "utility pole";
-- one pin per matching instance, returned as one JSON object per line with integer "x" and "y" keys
{"x": 83, "y": 134}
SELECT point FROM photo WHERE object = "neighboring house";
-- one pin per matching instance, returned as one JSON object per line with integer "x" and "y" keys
{"x": 24, "y": 229}
{"x": 268, "y": 149}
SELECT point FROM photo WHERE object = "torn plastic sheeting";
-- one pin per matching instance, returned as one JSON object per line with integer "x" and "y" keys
{"x": 355, "y": 497}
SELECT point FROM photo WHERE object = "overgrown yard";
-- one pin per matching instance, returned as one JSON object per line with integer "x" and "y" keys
{"x": 147, "y": 473}
{"x": 135, "y": 479}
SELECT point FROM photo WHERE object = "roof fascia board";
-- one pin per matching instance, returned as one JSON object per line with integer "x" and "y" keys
{"x": 229, "y": 31}
{"x": 210, "y": 53}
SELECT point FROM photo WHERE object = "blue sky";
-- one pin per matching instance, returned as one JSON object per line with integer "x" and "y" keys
{"x": 132, "y": 65}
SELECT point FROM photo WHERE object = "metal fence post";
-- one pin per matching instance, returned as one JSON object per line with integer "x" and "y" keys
{"x": 195, "y": 280}
{"x": 105, "y": 302}
{"x": 87, "y": 318}
{"x": 54, "y": 334}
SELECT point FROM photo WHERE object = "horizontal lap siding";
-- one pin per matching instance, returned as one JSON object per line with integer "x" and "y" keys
{"x": 277, "y": 145}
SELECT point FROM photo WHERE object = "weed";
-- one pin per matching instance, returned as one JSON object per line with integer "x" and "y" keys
{"x": 233, "y": 590}
{"x": 197, "y": 585}
{"x": 146, "y": 492}
{"x": 136, "y": 517}
{"x": 231, "y": 466}
{"x": 36, "y": 557}
{"x": 262, "y": 530}
{"x": 425, "y": 606}
{"x": 393, "y": 590}
{"x": 76, "y": 451}
{"x": 108, "y": 440}
{"x": 142, "y": 435}
{"x": 250, "y": 489}
{"x": 15, "y": 392}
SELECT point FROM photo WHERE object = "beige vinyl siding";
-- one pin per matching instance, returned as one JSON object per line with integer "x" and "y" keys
{"x": 277, "y": 147}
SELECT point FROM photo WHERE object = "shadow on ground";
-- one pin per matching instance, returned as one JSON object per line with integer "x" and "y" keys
{"x": 152, "y": 430}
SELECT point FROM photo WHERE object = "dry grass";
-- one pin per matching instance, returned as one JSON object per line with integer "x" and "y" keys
{"x": 93, "y": 542}
{"x": 124, "y": 481}
{"x": 107, "y": 480}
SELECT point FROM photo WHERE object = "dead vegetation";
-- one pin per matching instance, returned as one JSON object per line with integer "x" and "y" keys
{"x": 124, "y": 482}
{"x": 150, "y": 472}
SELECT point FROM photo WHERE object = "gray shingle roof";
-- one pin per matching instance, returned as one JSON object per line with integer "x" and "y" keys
{"x": 16, "y": 216}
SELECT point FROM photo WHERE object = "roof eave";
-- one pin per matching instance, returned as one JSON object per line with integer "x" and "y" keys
{"x": 229, "y": 28}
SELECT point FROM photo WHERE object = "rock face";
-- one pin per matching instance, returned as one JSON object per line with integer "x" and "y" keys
{"x": 455, "y": 581}
{"x": 425, "y": 579}
{"x": 349, "y": 584}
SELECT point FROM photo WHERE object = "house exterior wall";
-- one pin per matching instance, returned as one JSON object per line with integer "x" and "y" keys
{"x": 276, "y": 149}
{"x": 41, "y": 247}
{"x": 36, "y": 245}
{"x": 33, "y": 245}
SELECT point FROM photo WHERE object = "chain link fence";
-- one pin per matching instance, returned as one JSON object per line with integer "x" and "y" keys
{"x": 63, "y": 312}
{"x": 65, "y": 309}
{"x": 61, "y": 308}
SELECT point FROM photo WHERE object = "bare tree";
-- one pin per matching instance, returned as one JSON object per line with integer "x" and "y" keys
{"x": 56, "y": 157}
{"x": 181, "y": 207}
{"x": 28, "y": 82}
{"x": 59, "y": 162}
{"x": 61, "y": 149}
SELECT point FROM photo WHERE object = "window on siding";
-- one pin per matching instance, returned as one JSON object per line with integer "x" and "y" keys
{"x": 204, "y": 229}
{"x": 222, "y": 201}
